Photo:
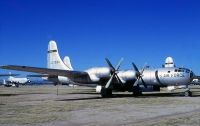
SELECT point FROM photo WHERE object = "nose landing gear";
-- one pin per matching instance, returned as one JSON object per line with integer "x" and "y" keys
{"x": 188, "y": 93}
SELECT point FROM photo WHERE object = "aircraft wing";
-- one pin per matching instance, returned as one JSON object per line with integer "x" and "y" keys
{"x": 76, "y": 76}
{"x": 3, "y": 75}
{"x": 40, "y": 75}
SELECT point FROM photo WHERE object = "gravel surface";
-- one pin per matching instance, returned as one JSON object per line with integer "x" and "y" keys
{"x": 40, "y": 106}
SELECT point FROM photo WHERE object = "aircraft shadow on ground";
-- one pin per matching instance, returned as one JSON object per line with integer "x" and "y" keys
{"x": 83, "y": 93}
{"x": 79, "y": 99}
{"x": 6, "y": 95}
{"x": 126, "y": 96}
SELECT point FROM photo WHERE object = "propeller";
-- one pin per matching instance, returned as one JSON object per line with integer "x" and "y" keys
{"x": 114, "y": 71}
{"x": 139, "y": 75}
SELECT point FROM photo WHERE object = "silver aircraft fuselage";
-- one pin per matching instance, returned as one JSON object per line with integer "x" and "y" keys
{"x": 167, "y": 76}
{"x": 159, "y": 76}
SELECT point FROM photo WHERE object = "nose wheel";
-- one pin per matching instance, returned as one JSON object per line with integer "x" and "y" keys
{"x": 188, "y": 93}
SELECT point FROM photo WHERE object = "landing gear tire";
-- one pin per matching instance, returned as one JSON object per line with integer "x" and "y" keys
{"x": 187, "y": 93}
{"x": 137, "y": 91}
{"x": 156, "y": 88}
{"x": 17, "y": 85}
{"x": 106, "y": 93}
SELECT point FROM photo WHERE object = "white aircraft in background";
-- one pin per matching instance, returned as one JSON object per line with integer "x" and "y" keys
{"x": 108, "y": 79}
{"x": 14, "y": 81}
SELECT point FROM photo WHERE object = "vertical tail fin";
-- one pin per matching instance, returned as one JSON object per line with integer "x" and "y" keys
{"x": 53, "y": 58}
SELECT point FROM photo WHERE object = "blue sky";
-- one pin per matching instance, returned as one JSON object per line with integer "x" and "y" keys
{"x": 143, "y": 31}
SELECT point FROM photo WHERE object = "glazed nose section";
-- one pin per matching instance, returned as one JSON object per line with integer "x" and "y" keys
{"x": 192, "y": 75}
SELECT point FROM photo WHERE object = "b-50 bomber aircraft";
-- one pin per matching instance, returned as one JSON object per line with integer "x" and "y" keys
{"x": 108, "y": 79}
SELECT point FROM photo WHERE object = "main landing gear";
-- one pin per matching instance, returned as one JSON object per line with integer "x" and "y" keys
{"x": 156, "y": 88}
{"x": 137, "y": 91}
{"x": 106, "y": 92}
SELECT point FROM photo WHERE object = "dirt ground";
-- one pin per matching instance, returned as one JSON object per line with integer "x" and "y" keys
{"x": 41, "y": 106}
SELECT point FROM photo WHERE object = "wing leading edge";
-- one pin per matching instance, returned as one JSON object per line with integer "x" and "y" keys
{"x": 76, "y": 76}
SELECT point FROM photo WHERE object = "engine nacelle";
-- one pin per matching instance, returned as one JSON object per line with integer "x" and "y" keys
{"x": 127, "y": 75}
{"x": 63, "y": 79}
{"x": 97, "y": 73}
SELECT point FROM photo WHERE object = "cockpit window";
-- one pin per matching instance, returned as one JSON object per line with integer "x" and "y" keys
{"x": 191, "y": 74}
{"x": 187, "y": 71}
{"x": 179, "y": 70}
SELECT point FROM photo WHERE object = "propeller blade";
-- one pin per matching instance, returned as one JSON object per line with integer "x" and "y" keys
{"x": 143, "y": 69}
{"x": 144, "y": 83}
{"x": 109, "y": 64}
{"x": 109, "y": 81}
{"x": 118, "y": 79}
{"x": 136, "y": 82}
{"x": 135, "y": 67}
{"x": 119, "y": 64}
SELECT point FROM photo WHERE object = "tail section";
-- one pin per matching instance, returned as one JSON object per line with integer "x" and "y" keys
{"x": 53, "y": 58}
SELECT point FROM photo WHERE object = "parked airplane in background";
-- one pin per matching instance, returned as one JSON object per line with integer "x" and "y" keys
{"x": 14, "y": 81}
{"x": 110, "y": 78}
{"x": 54, "y": 62}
